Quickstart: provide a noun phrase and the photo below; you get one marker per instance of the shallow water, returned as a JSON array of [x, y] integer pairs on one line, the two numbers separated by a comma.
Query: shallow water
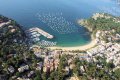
[[65, 28]]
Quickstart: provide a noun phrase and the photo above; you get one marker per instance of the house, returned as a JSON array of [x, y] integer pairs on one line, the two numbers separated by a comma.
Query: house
[[67, 70], [5, 23], [56, 63], [23, 68], [23, 78], [3, 77], [11, 69], [39, 66], [31, 73], [12, 30]]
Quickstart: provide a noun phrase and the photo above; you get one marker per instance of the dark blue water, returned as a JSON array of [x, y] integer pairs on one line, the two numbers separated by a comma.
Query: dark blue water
[[24, 12]]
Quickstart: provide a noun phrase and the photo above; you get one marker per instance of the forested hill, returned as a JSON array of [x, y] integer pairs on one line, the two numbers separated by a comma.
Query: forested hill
[[107, 24], [102, 21], [10, 32], [12, 45]]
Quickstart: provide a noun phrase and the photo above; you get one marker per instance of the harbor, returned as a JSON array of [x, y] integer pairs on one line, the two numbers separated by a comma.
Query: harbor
[[35, 34], [57, 20], [42, 32]]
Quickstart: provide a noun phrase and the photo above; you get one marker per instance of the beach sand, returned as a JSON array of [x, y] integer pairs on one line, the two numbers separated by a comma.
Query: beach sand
[[84, 47]]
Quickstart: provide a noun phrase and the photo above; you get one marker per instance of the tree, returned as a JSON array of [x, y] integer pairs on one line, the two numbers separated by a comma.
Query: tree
[[110, 65], [44, 76], [77, 64], [17, 74], [117, 73], [38, 76], [52, 75]]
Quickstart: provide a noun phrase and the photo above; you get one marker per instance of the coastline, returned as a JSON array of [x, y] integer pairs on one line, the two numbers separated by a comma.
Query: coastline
[[84, 47], [91, 44]]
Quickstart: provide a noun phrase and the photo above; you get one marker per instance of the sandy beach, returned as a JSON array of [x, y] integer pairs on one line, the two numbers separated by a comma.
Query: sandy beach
[[84, 47], [91, 44]]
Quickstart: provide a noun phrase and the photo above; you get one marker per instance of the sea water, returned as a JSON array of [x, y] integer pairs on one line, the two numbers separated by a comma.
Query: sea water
[[58, 17]]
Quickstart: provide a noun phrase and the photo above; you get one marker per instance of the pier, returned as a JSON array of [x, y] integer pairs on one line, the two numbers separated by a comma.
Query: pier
[[42, 32], [34, 37]]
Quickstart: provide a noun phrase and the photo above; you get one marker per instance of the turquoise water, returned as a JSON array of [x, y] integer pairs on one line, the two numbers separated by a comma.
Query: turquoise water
[[25, 12]]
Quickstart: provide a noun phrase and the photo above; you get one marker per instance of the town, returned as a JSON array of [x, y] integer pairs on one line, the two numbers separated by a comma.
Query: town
[[21, 61]]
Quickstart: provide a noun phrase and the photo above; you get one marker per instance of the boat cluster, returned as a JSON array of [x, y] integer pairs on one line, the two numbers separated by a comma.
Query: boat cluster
[[34, 35], [57, 22], [47, 43]]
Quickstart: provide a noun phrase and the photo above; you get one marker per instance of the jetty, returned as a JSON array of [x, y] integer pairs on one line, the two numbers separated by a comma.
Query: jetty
[[42, 32], [34, 37]]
